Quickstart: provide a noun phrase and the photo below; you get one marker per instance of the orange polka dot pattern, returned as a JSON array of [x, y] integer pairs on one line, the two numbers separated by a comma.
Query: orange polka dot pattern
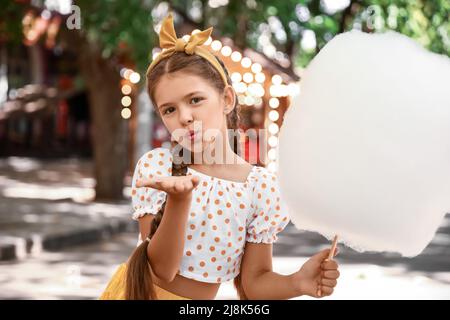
[[223, 215]]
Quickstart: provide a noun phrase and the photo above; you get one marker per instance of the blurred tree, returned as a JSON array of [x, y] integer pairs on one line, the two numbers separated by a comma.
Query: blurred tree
[[300, 28], [113, 34]]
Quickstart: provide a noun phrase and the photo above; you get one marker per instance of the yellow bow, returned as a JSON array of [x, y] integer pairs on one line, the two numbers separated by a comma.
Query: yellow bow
[[170, 44]]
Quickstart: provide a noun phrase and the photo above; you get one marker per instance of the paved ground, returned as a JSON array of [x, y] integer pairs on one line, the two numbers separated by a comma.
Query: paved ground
[[82, 272], [68, 247]]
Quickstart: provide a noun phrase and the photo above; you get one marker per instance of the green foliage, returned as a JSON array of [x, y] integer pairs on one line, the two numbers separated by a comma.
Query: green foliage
[[425, 21], [120, 26], [10, 23], [127, 26]]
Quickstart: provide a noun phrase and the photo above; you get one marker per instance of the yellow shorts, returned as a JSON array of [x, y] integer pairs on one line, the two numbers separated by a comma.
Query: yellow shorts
[[116, 288]]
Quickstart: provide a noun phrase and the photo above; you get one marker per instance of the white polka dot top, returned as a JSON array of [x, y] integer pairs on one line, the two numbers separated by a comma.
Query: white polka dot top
[[223, 215]]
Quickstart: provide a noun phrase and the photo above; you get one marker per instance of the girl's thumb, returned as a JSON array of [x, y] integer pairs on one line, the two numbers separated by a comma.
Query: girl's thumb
[[195, 180], [322, 255]]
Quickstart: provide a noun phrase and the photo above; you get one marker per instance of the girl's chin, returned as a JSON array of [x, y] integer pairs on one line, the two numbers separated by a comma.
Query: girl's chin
[[194, 146]]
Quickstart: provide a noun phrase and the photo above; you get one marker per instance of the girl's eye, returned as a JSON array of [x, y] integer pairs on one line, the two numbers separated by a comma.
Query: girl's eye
[[169, 108], [197, 98]]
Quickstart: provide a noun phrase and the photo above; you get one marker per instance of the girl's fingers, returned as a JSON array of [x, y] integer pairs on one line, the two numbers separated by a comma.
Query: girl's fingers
[[331, 274], [187, 184], [326, 291], [195, 181], [149, 183], [143, 183], [179, 186], [190, 185], [165, 185], [329, 265], [328, 282]]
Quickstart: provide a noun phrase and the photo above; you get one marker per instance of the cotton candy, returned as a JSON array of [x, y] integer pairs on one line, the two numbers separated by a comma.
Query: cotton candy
[[364, 150]]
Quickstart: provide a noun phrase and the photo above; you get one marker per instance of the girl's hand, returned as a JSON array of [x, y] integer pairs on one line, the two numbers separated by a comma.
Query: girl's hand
[[318, 276], [176, 186]]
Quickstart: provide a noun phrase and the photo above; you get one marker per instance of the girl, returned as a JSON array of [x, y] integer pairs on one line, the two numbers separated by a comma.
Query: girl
[[202, 224]]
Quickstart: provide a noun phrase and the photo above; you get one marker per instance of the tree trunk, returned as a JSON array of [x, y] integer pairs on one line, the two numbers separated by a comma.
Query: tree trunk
[[346, 14], [109, 130]]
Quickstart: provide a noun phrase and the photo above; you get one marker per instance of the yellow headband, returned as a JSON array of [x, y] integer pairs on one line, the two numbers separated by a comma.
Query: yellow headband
[[170, 44]]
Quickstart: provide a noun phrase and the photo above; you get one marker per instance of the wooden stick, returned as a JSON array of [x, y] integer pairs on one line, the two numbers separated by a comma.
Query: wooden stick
[[330, 257], [333, 248]]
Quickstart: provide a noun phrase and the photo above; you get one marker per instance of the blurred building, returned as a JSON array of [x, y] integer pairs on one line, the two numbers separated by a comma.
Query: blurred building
[[44, 111]]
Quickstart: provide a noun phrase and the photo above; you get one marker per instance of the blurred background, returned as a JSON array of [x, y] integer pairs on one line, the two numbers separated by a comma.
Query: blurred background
[[75, 118]]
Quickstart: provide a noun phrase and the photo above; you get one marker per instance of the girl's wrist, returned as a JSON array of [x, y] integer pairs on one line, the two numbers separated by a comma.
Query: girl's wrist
[[180, 198], [295, 280]]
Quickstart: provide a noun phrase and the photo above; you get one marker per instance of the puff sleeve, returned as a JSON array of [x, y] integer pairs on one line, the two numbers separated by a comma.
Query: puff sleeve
[[145, 200], [271, 214]]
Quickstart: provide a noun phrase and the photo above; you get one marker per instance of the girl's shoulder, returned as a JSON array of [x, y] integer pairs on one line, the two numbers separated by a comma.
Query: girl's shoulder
[[265, 183], [158, 160], [156, 154], [264, 175]]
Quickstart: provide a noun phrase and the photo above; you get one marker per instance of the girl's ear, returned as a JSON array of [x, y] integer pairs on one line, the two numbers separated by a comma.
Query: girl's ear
[[229, 98]]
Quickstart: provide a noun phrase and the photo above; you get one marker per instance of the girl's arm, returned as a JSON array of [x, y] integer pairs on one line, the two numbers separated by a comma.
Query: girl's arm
[[166, 246], [145, 223], [258, 280]]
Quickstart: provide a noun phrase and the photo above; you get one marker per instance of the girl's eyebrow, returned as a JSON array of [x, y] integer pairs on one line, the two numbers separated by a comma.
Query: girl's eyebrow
[[189, 94]]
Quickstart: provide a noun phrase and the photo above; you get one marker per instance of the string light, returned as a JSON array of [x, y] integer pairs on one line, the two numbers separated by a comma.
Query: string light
[[226, 51], [276, 79], [135, 77], [248, 77], [127, 73], [260, 77], [274, 115], [155, 55], [216, 45], [293, 89], [273, 141], [272, 154], [256, 68], [126, 89], [126, 101], [274, 103], [236, 77], [125, 113], [241, 99], [273, 128], [240, 87], [236, 56], [249, 100], [246, 62]]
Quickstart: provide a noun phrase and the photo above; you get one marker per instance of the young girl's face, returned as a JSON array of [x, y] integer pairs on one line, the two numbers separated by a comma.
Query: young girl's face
[[189, 103]]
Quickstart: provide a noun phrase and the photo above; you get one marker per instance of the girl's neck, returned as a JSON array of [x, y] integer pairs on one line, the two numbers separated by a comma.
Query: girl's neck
[[227, 159]]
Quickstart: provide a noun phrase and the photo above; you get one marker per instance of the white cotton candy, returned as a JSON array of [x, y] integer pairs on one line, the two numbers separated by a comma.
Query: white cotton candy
[[365, 147]]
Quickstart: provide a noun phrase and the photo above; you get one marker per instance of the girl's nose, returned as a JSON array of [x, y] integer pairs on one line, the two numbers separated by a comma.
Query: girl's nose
[[186, 116]]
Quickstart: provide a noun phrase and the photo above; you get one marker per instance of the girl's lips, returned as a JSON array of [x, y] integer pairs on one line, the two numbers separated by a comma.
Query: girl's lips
[[192, 135]]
